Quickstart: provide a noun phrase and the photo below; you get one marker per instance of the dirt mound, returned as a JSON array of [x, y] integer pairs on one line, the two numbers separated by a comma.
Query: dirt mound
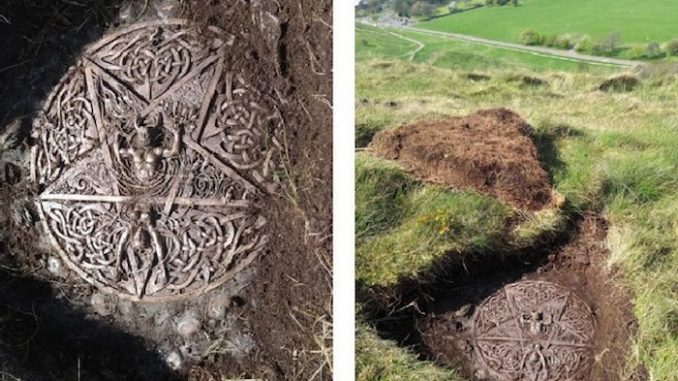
[[476, 77], [528, 81], [619, 84], [489, 151]]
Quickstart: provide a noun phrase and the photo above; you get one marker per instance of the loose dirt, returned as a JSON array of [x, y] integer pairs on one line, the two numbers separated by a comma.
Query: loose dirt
[[490, 151], [277, 323]]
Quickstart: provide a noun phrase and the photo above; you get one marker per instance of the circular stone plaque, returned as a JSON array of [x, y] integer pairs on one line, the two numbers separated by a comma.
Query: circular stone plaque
[[533, 330], [147, 156]]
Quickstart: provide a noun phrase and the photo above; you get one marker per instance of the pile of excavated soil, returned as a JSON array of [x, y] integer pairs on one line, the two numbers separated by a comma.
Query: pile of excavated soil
[[489, 151]]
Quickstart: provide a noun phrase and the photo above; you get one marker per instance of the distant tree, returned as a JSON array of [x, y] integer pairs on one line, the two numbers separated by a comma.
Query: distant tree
[[637, 51], [531, 37], [653, 50], [551, 40], [452, 7], [671, 48], [402, 7], [422, 9], [514, 3], [609, 44], [584, 44]]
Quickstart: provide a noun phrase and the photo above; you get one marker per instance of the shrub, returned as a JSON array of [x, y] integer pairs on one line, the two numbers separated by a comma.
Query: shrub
[[560, 41], [637, 51], [564, 41], [653, 50], [422, 9], [531, 37], [671, 48], [551, 40], [608, 45], [585, 44]]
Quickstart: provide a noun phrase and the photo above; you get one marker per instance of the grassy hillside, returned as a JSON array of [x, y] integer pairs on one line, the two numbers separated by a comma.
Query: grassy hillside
[[612, 152], [374, 42], [637, 21]]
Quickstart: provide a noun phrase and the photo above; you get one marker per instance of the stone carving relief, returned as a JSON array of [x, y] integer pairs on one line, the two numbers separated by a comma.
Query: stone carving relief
[[533, 330], [147, 157]]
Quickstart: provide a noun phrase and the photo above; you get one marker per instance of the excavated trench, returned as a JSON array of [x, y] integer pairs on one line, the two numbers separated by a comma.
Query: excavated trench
[[553, 311]]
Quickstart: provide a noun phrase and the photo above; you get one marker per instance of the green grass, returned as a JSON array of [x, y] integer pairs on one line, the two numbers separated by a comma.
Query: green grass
[[637, 21], [383, 360], [404, 227], [610, 152], [376, 43]]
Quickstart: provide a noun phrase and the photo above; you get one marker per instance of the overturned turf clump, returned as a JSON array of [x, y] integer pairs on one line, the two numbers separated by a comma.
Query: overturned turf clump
[[489, 151], [619, 84]]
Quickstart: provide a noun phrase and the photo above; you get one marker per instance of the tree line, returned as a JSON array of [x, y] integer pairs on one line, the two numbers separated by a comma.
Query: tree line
[[425, 8]]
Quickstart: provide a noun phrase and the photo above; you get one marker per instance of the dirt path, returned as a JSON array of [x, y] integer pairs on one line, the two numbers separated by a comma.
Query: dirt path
[[564, 54], [569, 55], [412, 54]]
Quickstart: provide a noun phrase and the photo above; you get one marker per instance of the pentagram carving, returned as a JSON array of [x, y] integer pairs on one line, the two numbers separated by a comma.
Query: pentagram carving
[[533, 330], [147, 156]]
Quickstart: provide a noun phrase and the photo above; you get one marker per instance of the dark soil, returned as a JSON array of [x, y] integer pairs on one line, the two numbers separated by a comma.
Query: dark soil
[[48, 329], [490, 151], [476, 77], [528, 81], [427, 315]]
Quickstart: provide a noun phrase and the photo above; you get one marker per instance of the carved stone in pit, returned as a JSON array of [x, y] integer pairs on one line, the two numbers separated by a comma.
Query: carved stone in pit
[[533, 330], [148, 154]]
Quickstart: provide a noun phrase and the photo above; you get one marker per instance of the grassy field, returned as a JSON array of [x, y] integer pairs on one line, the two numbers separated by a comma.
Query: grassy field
[[637, 21], [614, 154], [374, 42]]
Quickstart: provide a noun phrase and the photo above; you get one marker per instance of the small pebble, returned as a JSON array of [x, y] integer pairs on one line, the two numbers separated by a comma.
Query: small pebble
[[216, 309], [54, 266], [480, 374], [103, 304], [191, 350], [188, 325], [174, 360]]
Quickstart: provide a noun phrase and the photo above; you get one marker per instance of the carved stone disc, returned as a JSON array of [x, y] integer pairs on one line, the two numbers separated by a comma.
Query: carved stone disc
[[533, 330], [147, 156]]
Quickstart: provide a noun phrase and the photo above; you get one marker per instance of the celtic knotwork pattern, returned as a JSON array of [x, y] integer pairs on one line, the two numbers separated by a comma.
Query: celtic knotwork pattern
[[148, 155], [534, 330]]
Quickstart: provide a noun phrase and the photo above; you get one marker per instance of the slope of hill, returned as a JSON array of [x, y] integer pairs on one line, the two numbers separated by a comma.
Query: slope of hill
[[636, 21]]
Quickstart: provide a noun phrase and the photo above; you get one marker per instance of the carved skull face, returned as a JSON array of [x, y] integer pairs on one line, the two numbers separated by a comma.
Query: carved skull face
[[145, 166], [142, 148]]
